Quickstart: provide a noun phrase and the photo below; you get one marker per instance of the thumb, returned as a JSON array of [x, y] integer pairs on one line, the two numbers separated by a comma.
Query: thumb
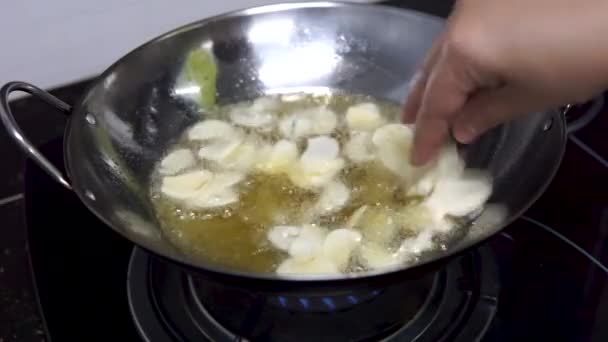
[[490, 108]]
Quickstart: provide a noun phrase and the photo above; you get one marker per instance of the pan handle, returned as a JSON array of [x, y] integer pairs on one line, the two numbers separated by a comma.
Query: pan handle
[[578, 116], [7, 118]]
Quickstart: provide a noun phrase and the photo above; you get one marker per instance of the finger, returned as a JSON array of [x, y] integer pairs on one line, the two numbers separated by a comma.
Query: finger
[[490, 108], [430, 135], [414, 98], [446, 92]]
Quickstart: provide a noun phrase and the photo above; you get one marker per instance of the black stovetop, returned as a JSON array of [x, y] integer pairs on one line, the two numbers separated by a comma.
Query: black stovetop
[[541, 279], [540, 286]]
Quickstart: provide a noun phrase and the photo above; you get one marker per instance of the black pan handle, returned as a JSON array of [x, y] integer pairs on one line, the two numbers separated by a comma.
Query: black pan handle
[[7, 118]]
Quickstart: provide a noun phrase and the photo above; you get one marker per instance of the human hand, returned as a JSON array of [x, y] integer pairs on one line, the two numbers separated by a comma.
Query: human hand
[[500, 59]]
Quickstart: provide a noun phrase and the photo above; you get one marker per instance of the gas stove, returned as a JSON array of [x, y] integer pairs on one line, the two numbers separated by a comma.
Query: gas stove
[[543, 278]]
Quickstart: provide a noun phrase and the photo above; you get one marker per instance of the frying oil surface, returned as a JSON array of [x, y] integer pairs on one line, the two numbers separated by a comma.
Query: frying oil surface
[[271, 192]]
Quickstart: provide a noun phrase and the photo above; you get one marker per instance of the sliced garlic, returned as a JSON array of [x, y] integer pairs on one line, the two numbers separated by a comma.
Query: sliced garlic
[[225, 179], [334, 197], [355, 219], [306, 122], [218, 191], [414, 219], [321, 149], [309, 176], [459, 196], [294, 127], [279, 158], [252, 118], [423, 186], [319, 163], [185, 185], [374, 256], [212, 129], [261, 115], [241, 157], [417, 244], [177, 161], [449, 163], [393, 143], [324, 121], [359, 148], [339, 244], [308, 243], [266, 104], [443, 226], [283, 236], [218, 150], [316, 265], [216, 199], [292, 97], [379, 225], [364, 117]]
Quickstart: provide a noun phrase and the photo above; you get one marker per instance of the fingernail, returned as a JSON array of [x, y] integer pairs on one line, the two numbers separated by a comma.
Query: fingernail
[[465, 134]]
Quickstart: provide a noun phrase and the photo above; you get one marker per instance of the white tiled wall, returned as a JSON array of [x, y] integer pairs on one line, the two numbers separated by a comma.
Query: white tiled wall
[[50, 43]]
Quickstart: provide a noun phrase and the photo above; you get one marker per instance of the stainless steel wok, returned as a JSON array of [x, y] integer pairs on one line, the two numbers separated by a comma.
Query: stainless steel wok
[[132, 112]]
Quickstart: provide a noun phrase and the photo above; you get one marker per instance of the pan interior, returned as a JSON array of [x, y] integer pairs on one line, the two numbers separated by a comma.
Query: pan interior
[[138, 107]]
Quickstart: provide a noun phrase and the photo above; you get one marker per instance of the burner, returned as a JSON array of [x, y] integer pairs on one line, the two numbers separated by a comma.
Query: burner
[[455, 304]]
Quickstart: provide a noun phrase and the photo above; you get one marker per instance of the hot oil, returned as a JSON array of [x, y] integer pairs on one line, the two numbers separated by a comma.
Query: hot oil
[[235, 236]]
